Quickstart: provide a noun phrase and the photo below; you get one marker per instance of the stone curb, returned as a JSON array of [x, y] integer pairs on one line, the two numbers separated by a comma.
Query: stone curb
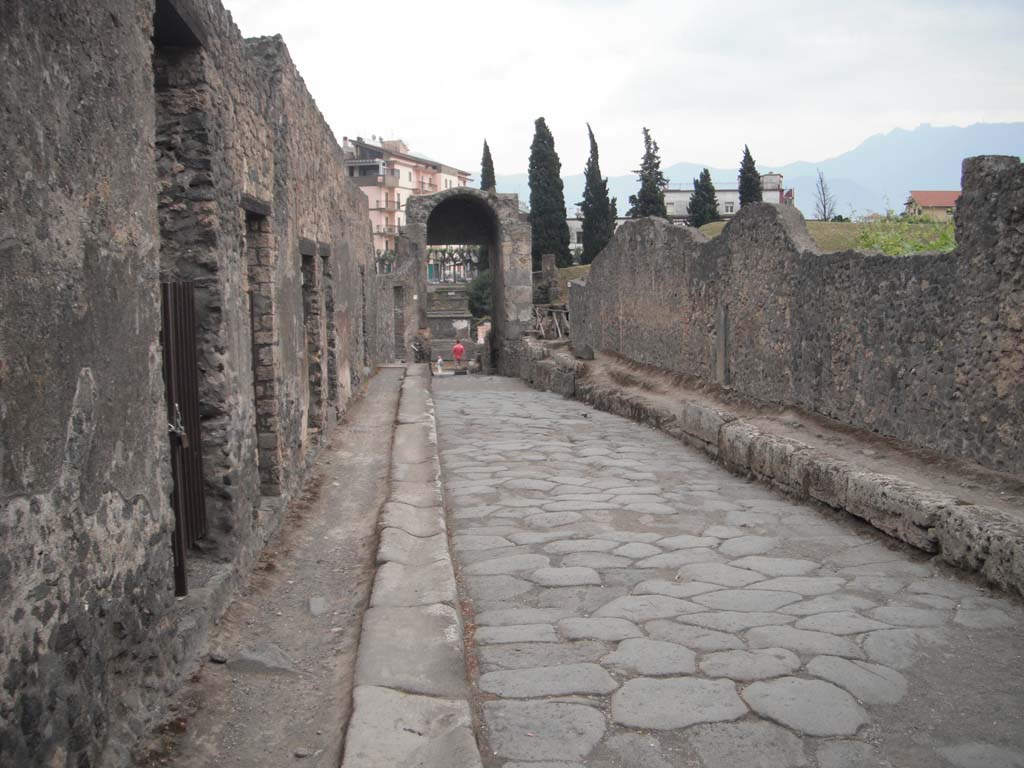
[[971, 537], [411, 695]]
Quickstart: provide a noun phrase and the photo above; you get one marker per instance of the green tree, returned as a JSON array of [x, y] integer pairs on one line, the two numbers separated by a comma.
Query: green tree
[[703, 206], [650, 200], [547, 199], [487, 169], [750, 179], [480, 292], [598, 211]]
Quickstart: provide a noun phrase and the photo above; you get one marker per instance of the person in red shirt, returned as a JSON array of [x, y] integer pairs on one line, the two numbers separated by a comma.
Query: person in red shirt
[[458, 351]]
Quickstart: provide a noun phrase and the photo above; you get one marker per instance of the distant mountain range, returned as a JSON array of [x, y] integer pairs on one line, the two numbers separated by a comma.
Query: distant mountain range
[[876, 175]]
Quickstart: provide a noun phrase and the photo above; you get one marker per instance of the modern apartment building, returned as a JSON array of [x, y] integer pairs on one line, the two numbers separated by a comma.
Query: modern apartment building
[[390, 174], [677, 198]]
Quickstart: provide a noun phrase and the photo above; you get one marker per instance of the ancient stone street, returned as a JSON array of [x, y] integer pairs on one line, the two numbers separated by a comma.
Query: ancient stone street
[[631, 603]]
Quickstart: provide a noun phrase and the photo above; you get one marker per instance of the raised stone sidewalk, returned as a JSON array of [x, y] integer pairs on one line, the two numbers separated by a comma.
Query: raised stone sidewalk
[[410, 702], [986, 538]]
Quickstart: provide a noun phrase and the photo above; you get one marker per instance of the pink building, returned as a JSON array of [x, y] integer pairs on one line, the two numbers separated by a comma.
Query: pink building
[[389, 175]]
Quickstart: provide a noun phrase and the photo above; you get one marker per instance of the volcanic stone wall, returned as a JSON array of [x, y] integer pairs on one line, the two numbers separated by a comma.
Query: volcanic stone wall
[[928, 349], [136, 151]]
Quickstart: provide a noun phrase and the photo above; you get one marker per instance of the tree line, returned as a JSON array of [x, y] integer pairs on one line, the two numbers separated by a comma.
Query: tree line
[[598, 211]]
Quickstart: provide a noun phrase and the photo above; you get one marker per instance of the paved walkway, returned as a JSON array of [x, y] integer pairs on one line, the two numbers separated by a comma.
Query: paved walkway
[[634, 604]]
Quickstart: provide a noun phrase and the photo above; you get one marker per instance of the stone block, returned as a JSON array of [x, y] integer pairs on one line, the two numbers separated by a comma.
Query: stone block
[[735, 443]]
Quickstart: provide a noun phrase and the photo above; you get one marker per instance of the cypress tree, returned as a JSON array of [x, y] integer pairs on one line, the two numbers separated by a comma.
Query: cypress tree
[[487, 169], [547, 199], [650, 200], [597, 209], [703, 206], [750, 180]]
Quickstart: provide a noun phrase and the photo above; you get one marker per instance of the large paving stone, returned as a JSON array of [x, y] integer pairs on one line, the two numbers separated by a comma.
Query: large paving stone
[[507, 616], [502, 587], [637, 550], [652, 657], [406, 585], [565, 577], [735, 621], [718, 573], [681, 557], [776, 566], [418, 650], [537, 537], [416, 494], [397, 546], [472, 543], [417, 521], [896, 648], [523, 655], [692, 637], [516, 633], [745, 545], [803, 585], [760, 664], [673, 588], [598, 629], [579, 545], [840, 623], [752, 744], [803, 641], [510, 564], [661, 704], [981, 755], [847, 754], [627, 537], [747, 599], [871, 683], [552, 519], [906, 616], [534, 730], [812, 707], [984, 618], [557, 680], [641, 608], [828, 604], [596, 560], [686, 541], [390, 728]]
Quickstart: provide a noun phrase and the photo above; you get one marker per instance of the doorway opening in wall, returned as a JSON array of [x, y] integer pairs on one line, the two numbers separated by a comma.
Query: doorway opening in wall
[[331, 325], [399, 304], [465, 283]]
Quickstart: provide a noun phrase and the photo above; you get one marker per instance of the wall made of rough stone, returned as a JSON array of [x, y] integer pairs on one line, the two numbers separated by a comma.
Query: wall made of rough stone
[[926, 349], [85, 555]]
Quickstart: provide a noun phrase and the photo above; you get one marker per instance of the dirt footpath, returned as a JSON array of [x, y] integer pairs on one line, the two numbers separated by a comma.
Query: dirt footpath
[[276, 687]]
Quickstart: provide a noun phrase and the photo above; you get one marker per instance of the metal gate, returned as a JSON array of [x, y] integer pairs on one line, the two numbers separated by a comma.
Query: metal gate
[[181, 383]]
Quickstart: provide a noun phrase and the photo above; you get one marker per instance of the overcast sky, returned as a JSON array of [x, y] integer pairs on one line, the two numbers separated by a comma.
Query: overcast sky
[[794, 80]]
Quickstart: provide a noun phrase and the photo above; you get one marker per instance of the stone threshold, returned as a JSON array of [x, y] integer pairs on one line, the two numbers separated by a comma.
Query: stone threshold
[[971, 536], [411, 697]]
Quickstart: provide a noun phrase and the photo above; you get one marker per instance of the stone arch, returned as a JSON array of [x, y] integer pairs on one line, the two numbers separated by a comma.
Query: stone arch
[[473, 216]]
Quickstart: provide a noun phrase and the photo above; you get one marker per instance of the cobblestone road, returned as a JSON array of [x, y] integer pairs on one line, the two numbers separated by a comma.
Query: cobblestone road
[[637, 605]]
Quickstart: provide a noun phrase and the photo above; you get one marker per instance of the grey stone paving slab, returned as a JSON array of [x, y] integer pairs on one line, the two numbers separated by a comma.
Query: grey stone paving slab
[[508, 616], [516, 633], [870, 683], [840, 623], [905, 616], [745, 666], [422, 472], [578, 545], [803, 641], [718, 573], [577, 506], [637, 550], [390, 728], [776, 566], [803, 585], [533, 730], [580, 600], [538, 537], [985, 618], [641, 608], [747, 599], [829, 604], [981, 755], [512, 564], [897, 648], [416, 494], [598, 629], [673, 588], [652, 657], [596, 560], [397, 546], [943, 588], [565, 577], [846, 754], [746, 544], [528, 484], [660, 704], [552, 519], [681, 557], [418, 650], [735, 621], [748, 744], [813, 707], [692, 637], [626, 537], [502, 587], [522, 655], [557, 680], [469, 542], [417, 521], [407, 585], [686, 541], [725, 532]]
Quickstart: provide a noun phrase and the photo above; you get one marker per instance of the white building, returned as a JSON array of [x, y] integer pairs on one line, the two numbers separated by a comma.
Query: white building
[[677, 197]]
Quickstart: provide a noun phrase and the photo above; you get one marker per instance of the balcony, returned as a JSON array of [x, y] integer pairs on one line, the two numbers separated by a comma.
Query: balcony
[[385, 205], [387, 229], [387, 181], [424, 188]]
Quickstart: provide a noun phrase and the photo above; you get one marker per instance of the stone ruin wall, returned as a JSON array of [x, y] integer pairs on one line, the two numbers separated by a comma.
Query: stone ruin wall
[[124, 164], [928, 349]]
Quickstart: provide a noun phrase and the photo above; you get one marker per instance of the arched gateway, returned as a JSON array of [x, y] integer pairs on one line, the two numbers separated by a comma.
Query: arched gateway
[[472, 217]]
